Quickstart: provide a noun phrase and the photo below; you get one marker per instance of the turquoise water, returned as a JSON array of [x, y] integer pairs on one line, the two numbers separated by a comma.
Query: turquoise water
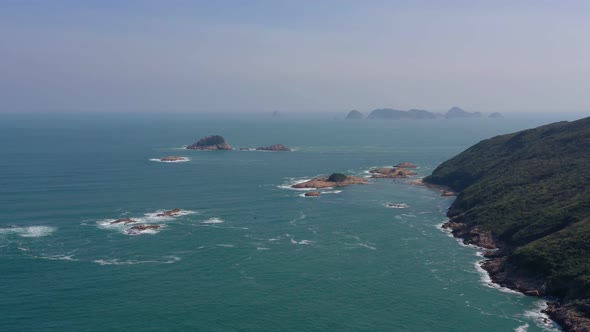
[[248, 254]]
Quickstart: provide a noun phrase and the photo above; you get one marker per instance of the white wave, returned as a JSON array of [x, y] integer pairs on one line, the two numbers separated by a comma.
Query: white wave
[[306, 242], [213, 220], [114, 261], [293, 181], [225, 245], [154, 215], [487, 281], [364, 245], [262, 248], [183, 160], [59, 257], [332, 192], [522, 328], [134, 232], [275, 239], [30, 231], [541, 319], [396, 205]]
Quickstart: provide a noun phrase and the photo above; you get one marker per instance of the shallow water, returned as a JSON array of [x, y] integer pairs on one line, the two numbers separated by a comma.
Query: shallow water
[[247, 253]]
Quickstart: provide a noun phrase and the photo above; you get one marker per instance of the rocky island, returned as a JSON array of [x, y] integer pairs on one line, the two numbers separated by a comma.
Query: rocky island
[[496, 115], [275, 147], [527, 195], [334, 180], [457, 112], [210, 143]]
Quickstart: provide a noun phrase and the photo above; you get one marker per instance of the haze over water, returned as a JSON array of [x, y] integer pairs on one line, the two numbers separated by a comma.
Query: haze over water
[[248, 253]]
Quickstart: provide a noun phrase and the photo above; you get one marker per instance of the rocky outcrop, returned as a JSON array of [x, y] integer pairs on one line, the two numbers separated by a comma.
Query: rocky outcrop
[[391, 172], [210, 143], [140, 228], [355, 115], [169, 213], [173, 158], [123, 221], [571, 317], [405, 165], [334, 180], [470, 235], [445, 191], [276, 147], [312, 194]]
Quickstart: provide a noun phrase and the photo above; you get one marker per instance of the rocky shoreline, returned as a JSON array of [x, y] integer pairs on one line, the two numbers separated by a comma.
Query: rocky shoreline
[[334, 180], [505, 274]]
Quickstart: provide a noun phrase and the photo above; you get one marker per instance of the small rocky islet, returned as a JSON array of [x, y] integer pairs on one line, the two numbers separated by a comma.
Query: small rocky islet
[[210, 143], [173, 158], [137, 229], [398, 171], [334, 180]]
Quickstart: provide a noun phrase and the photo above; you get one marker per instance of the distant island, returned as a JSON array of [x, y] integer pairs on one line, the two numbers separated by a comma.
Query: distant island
[[334, 180], [458, 112], [209, 143], [355, 115], [417, 114], [496, 115], [528, 195]]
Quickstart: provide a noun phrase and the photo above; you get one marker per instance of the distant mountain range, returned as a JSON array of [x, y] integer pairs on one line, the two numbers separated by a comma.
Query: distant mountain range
[[415, 114]]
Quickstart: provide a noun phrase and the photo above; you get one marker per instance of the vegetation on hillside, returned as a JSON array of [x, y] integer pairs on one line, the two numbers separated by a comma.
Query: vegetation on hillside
[[531, 189]]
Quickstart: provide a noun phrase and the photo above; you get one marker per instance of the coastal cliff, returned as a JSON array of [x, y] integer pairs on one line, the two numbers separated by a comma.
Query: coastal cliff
[[527, 194]]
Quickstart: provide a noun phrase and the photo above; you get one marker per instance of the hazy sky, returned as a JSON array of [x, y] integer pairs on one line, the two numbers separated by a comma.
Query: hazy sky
[[294, 55]]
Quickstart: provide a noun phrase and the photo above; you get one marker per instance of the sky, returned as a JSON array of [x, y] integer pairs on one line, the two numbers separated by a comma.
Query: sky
[[304, 55]]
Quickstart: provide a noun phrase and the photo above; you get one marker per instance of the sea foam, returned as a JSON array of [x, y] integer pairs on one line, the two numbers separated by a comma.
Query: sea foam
[[30, 231]]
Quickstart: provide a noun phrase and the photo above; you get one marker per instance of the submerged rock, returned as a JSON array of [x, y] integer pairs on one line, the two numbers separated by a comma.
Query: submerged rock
[[275, 147], [312, 194], [140, 228], [123, 221], [405, 165], [209, 143], [169, 213]]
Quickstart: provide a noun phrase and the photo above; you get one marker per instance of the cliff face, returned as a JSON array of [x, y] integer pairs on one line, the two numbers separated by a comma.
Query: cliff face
[[529, 190]]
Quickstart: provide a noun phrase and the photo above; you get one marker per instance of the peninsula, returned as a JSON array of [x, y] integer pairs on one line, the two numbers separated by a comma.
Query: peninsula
[[527, 195]]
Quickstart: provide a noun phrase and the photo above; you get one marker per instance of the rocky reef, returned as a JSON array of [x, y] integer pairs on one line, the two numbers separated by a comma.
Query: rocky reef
[[173, 158], [312, 194], [210, 143], [123, 221], [334, 180], [169, 213], [275, 147], [135, 230]]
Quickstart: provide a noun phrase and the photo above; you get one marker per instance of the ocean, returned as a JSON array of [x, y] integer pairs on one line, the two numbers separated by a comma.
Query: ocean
[[247, 252]]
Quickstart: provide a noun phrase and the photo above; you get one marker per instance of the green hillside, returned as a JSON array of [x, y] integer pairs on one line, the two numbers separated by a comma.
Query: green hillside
[[531, 189]]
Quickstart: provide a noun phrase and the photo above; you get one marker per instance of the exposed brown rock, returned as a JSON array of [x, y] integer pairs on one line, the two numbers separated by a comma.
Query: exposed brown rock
[[169, 213], [391, 172], [135, 230], [324, 183], [124, 221], [569, 316], [172, 158], [275, 147], [312, 194], [444, 190]]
